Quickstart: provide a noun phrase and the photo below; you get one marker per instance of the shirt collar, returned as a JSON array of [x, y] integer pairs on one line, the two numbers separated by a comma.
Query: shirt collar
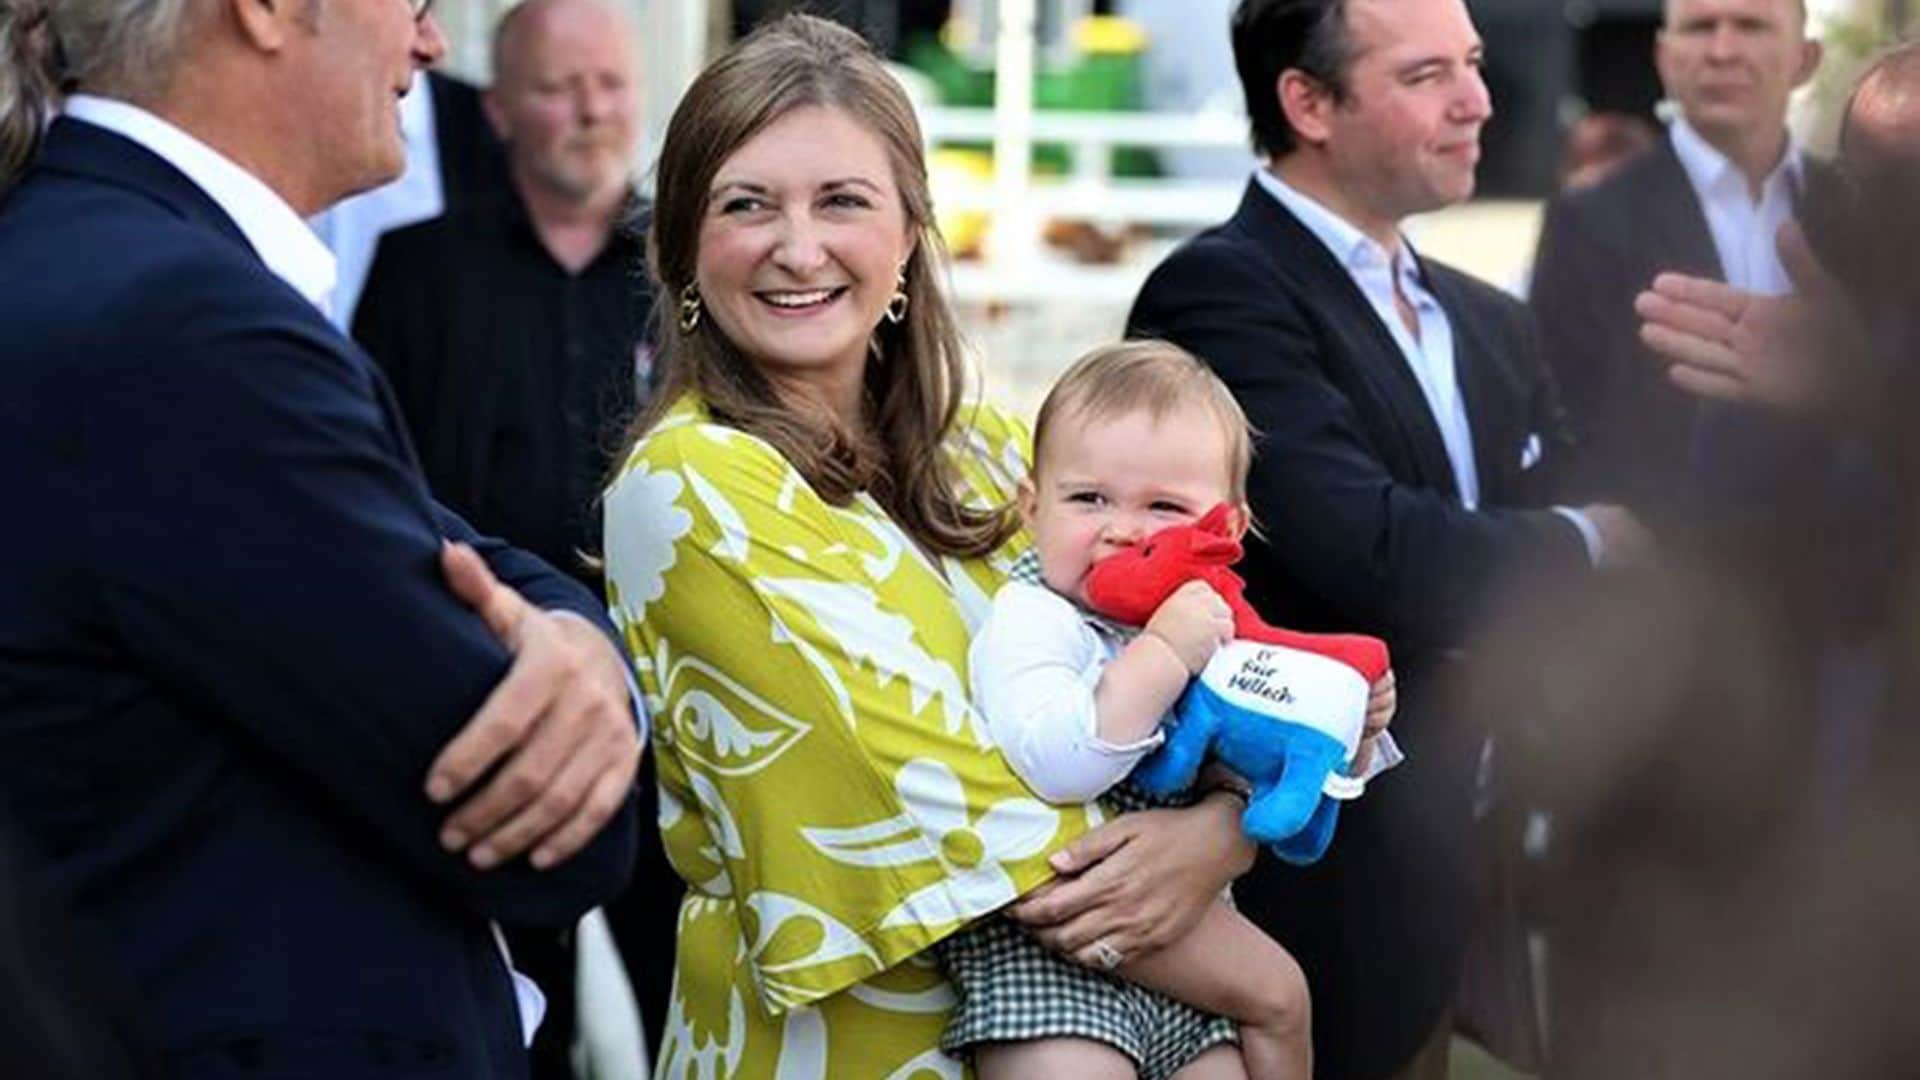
[[627, 235], [416, 112], [283, 241], [1353, 249], [1709, 170], [1026, 570]]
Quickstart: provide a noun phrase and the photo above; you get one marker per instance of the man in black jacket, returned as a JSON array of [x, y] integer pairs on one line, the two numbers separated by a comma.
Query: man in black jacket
[[1406, 424], [514, 330]]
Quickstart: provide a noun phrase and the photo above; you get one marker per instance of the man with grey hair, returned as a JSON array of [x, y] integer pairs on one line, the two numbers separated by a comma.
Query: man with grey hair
[[287, 735]]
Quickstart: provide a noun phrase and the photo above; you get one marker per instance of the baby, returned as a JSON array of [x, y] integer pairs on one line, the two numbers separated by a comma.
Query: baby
[[1134, 438]]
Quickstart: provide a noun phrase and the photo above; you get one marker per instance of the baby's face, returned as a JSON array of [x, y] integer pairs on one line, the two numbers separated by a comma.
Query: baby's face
[[1106, 484]]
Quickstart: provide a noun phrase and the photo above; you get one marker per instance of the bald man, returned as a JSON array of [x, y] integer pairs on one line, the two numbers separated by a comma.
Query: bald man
[[514, 332], [1707, 201], [513, 329], [1805, 352], [1707, 901]]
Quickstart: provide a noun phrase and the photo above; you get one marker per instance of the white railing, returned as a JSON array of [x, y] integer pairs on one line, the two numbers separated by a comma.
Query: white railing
[[1091, 191], [1017, 267]]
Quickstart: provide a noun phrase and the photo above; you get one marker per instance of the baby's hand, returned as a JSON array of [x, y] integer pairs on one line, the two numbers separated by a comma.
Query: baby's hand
[[1381, 702], [1195, 622], [1382, 699]]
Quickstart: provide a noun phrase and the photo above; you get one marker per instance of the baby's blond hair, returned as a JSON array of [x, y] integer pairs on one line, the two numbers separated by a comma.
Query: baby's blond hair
[[1151, 375]]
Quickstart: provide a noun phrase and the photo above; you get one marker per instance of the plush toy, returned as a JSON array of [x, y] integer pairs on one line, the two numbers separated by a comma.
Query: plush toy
[[1284, 710]]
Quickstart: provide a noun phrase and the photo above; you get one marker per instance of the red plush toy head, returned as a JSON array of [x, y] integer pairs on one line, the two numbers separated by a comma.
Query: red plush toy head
[[1131, 585]]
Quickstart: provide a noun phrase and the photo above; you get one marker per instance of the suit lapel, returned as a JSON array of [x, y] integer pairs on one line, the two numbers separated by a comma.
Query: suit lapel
[[1488, 387], [1683, 240], [1298, 254]]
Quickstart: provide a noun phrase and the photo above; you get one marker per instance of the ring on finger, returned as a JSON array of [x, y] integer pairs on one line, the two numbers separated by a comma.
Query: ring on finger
[[1106, 956]]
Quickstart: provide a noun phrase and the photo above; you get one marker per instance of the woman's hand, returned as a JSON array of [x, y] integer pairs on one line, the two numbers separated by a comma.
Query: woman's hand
[[1138, 882]]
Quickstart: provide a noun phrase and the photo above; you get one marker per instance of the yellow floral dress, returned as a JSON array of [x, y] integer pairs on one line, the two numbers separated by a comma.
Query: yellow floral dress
[[827, 791]]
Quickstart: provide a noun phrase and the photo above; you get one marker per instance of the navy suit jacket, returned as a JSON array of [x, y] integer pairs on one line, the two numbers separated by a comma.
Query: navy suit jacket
[[1645, 442], [1599, 247], [227, 655], [1364, 532]]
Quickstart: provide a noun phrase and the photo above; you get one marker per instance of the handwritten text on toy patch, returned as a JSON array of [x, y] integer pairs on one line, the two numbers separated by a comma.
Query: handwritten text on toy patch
[[1259, 677]]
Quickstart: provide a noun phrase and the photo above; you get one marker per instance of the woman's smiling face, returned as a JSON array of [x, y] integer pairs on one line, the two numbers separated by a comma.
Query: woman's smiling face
[[802, 244]]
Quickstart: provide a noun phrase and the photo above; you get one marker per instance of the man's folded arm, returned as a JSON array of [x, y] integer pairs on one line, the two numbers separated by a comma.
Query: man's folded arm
[[265, 544], [547, 589], [526, 573]]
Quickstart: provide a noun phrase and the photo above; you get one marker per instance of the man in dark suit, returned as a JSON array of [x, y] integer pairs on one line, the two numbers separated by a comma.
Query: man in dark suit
[[1405, 421], [249, 664], [1707, 202]]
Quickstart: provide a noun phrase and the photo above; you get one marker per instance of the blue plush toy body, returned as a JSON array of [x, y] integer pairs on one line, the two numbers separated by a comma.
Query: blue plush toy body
[[1283, 709], [1288, 722]]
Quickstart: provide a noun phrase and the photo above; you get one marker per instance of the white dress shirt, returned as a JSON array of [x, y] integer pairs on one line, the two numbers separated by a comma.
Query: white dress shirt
[[1743, 227], [288, 248], [353, 226], [1430, 356], [1034, 666]]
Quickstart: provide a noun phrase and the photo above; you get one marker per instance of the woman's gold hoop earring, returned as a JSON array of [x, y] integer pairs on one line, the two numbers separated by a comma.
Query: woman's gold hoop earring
[[897, 303], [689, 310]]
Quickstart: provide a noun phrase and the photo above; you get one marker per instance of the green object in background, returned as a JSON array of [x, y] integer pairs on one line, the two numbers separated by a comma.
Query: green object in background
[[1104, 77], [959, 83]]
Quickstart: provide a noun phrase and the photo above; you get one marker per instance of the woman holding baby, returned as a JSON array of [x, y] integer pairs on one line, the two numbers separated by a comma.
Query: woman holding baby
[[807, 533]]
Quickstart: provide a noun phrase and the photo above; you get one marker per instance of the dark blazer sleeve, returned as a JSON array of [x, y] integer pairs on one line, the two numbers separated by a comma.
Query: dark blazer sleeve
[[266, 542], [1397, 559]]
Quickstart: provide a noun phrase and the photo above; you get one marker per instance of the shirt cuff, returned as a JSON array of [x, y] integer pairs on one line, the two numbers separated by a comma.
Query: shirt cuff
[[1589, 535], [1386, 754], [1139, 746], [640, 719]]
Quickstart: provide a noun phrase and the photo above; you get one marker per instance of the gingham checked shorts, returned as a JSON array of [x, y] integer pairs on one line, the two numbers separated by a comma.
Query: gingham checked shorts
[[1012, 988]]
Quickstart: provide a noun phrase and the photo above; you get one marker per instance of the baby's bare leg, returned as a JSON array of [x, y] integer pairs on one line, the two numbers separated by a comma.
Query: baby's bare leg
[[1225, 965], [1215, 1063], [1048, 1059]]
